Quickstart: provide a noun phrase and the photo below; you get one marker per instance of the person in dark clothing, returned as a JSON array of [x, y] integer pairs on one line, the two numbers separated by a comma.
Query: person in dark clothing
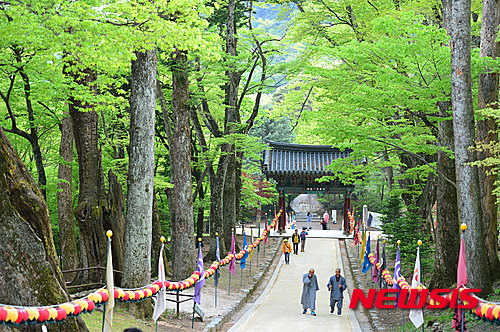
[[336, 285], [303, 236], [296, 241]]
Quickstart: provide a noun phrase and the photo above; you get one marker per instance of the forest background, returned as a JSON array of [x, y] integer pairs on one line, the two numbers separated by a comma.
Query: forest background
[[148, 118]]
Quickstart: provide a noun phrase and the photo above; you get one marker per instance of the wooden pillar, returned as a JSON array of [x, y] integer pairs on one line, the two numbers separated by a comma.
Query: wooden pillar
[[347, 207], [282, 207]]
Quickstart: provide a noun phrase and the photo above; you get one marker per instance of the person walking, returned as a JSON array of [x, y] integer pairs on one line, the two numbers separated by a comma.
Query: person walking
[[287, 249], [303, 236], [336, 285], [309, 289], [324, 223], [296, 241], [309, 220]]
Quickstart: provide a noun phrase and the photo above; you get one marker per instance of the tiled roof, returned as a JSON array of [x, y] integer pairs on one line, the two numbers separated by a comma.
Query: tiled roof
[[295, 159]]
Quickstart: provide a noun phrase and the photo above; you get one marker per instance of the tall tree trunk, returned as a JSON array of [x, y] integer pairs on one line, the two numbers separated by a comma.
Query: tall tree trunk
[[29, 274], [447, 231], [238, 185], [65, 200], [216, 184], [184, 257], [229, 199], [232, 120], [115, 220], [92, 203], [487, 131], [469, 203], [138, 230], [216, 206], [201, 215]]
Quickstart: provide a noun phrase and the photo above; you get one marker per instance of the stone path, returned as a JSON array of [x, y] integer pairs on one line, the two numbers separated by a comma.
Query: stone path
[[278, 307]]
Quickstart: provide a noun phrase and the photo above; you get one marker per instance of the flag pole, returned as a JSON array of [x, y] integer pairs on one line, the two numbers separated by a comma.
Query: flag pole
[[107, 322], [419, 242], [402, 310], [463, 227], [216, 279], [194, 302]]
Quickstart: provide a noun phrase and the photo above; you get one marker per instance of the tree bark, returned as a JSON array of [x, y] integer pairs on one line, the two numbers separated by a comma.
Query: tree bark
[[115, 220], [217, 184], [229, 198], [183, 247], [29, 274], [65, 200], [487, 131], [138, 230], [447, 235], [469, 203], [92, 203], [232, 119]]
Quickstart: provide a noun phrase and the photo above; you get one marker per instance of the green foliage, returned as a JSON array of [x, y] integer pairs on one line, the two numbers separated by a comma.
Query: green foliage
[[277, 130], [408, 227], [255, 193]]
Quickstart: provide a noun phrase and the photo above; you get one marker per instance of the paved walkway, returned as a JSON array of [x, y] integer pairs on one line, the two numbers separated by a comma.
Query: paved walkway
[[278, 307], [313, 233]]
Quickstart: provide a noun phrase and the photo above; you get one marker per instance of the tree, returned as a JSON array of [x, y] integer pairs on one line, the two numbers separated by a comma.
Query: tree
[[29, 274], [138, 230], [20, 61], [469, 203], [66, 218], [487, 131], [182, 192], [91, 196]]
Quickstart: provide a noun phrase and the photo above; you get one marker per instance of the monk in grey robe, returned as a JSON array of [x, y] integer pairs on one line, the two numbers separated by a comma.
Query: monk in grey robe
[[336, 285], [309, 290]]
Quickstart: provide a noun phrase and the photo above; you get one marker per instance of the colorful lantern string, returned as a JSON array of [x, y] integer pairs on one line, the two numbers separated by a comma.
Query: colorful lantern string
[[19, 316]]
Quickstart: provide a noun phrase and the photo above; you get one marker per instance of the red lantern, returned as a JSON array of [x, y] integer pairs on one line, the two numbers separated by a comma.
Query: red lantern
[[104, 296], [78, 309], [126, 297], [43, 314], [22, 316], [489, 313], [91, 305], [61, 314], [3, 314]]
